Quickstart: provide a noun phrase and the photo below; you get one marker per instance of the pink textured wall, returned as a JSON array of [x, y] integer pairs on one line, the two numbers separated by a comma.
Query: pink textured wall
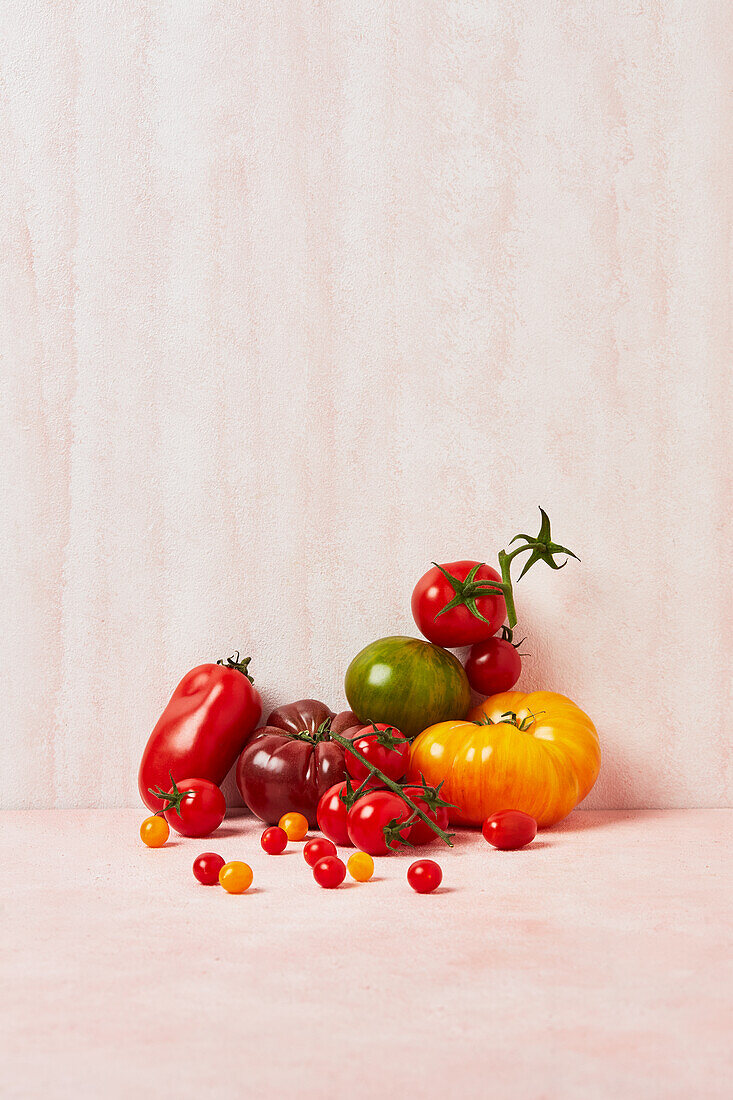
[[296, 298]]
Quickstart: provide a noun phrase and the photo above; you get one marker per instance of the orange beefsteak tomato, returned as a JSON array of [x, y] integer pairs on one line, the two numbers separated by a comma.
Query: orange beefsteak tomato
[[538, 753]]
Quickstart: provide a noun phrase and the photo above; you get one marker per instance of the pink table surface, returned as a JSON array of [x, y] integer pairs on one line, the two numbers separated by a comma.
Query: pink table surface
[[594, 964]]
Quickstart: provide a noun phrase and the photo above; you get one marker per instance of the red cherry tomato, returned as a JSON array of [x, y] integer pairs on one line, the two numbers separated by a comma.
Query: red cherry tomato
[[317, 849], [206, 868], [472, 618], [369, 821], [424, 876], [332, 815], [195, 807], [274, 840], [493, 666], [384, 747], [420, 833], [509, 829], [329, 872]]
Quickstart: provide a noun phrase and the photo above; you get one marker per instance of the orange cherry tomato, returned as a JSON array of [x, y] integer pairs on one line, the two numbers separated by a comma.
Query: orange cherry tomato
[[537, 753], [360, 866], [154, 831], [295, 825], [235, 877]]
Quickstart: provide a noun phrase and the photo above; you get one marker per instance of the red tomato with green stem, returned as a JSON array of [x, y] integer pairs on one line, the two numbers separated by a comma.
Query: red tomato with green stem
[[384, 747], [495, 665], [375, 822], [458, 603], [429, 801], [196, 807]]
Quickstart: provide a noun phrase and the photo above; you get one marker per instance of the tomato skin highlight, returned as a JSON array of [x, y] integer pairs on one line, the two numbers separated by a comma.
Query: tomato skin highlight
[[509, 830], [424, 876], [329, 872], [332, 816], [391, 761], [208, 720], [235, 877], [206, 868], [274, 840], [459, 626], [368, 817], [407, 683], [493, 666], [202, 810], [154, 831]]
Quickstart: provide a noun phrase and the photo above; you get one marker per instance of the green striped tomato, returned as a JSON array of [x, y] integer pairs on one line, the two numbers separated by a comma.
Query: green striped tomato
[[407, 683]]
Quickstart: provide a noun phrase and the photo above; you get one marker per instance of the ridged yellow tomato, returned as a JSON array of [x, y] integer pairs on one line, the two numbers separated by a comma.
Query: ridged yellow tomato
[[538, 753]]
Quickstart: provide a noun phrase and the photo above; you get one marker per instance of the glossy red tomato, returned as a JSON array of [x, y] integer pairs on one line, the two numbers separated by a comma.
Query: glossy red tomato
[[274, 840], [370, 819], [424, 876], [509, 829], [384, 747], [318, 848], [329, 872], [420, 832], [449, 608], [332, 814], [206, 868], [493, 666], [195, 807]]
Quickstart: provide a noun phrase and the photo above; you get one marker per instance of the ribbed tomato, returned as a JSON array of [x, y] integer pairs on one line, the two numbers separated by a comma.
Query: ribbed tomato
[[538, 753]]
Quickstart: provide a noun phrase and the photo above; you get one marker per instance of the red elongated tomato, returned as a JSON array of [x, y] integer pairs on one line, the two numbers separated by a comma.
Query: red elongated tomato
[[509, 830]]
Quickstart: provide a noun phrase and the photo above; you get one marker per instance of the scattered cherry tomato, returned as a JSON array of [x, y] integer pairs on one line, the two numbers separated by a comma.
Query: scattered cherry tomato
[[329, 872], [370, 819], [384, 747], [493, 666], [206, 868], [194, 807], [509, 830], [318, 848], [360, 866], [294, 825], [450, 607], [420, 832], [424, 876], [274, 840], [154, 831], [235, 877], [332, 815]]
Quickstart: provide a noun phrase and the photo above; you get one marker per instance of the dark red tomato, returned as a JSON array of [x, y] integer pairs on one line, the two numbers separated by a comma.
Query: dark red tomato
[[384, 747], [332, 815], [509, 829], [329, 872], [205, 726], [274, 840], [424, 876], [206, 868], [369, 822], [493, 666], [194, 807], [318, 848], [420, 833], [449, 608]]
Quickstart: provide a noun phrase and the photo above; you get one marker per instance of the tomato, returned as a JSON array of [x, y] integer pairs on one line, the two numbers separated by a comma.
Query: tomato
[[509, 830], [206, 868], [420, 832], [329, 872], [235, 877], [494, 665], [450, 607], [207, 722], [538, 753], [407, 683], [384, 747], [332, 814], [295, 826], [154, 831], [360, 866], [195, 807], [370, 819], [318, 848], [424, 876], [274, 840]]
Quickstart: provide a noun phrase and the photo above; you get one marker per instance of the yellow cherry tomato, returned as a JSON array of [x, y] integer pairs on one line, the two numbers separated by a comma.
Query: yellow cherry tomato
[[154, 831], [360, 866], [235, 877], [295, 825]]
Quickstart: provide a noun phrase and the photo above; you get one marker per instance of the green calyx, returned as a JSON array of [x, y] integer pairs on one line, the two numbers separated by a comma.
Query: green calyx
[[510, 718], [323, 733], [467, 592], [174, 797], [386, 738], [234, 662]]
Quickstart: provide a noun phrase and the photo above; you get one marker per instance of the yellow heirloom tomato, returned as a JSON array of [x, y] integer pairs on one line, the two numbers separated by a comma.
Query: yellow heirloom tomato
[[538, 753]]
